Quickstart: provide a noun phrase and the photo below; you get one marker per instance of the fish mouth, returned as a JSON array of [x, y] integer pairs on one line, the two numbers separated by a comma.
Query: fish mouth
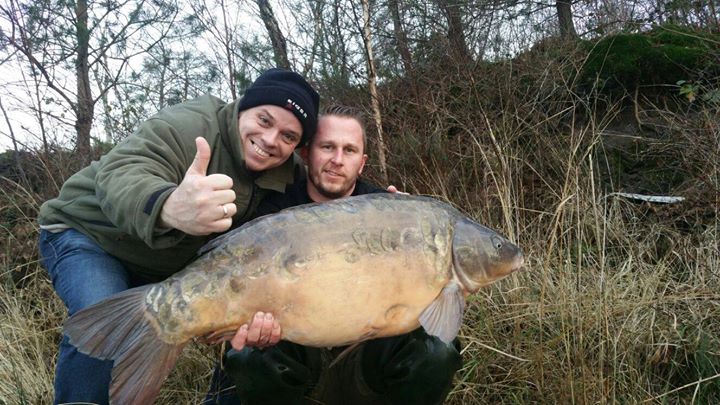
[[518, 264], [472, 284]]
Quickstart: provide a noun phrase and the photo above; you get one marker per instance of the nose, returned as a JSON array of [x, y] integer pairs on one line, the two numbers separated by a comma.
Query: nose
[[337, 157], [271, 137]]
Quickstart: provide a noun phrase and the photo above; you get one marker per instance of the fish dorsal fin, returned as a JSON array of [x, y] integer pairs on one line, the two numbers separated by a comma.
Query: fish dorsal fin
[[443, 317]]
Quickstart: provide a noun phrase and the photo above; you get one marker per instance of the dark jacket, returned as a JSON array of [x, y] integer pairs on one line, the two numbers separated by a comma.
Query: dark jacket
[[296, 194]]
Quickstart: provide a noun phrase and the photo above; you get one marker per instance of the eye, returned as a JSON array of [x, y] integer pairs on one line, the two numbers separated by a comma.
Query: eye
[[497, 242], [290, 137], [264, 120]]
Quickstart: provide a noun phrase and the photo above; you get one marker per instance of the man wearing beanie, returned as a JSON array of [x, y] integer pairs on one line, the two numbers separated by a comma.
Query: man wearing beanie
[[141, 212]]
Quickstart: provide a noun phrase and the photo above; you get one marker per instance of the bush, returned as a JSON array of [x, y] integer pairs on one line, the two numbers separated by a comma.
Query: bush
[[662, 56]]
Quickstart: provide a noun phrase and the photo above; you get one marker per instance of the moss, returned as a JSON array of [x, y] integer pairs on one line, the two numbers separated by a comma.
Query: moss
[[661, 56]]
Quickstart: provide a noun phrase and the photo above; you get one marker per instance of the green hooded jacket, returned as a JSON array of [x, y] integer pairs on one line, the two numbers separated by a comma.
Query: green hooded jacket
[[117, 200]]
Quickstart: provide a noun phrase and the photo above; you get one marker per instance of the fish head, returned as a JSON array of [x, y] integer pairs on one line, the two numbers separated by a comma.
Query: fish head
[[481, 256]]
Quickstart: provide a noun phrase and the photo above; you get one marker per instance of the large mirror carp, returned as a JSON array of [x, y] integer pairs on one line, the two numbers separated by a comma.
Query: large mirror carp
[[332, 274]]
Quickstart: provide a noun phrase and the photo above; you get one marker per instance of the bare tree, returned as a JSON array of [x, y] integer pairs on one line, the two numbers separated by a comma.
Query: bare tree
[[372, 75], [221, 35], [84, 108], [10, 127], [120, 30], [334, 65], [401, 40], [16, 156], [456, 32], [276, 37], [565, 19]]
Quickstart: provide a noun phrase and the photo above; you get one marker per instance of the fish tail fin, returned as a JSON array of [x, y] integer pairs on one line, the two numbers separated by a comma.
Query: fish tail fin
[[117, 329]]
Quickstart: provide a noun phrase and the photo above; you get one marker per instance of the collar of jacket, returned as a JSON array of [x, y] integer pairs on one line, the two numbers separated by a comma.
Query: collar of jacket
[[273, 179]]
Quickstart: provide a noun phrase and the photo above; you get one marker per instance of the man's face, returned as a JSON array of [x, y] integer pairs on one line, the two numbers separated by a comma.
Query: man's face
[[335, 158], [268, 135]]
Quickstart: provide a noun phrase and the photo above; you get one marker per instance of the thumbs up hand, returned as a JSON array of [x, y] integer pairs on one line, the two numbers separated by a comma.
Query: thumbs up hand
[[201, 204]]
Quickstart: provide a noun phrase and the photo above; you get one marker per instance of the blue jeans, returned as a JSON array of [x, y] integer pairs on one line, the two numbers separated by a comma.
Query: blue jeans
[[82, 274]]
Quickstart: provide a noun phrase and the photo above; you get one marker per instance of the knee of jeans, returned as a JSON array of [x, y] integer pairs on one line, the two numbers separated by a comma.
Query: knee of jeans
[[82, 273]]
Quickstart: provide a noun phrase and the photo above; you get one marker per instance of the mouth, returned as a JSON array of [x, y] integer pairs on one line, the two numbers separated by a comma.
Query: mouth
[[333, 173], [260, 151]]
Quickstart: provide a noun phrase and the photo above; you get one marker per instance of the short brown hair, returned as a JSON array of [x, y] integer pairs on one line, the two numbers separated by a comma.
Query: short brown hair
[[344, 111]]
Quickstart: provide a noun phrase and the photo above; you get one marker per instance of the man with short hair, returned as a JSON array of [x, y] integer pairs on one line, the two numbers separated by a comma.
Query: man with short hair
[[335, 158], [409, 369], [141, 212]]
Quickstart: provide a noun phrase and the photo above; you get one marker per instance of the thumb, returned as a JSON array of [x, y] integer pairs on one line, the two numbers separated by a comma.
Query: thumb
[[202, 158]]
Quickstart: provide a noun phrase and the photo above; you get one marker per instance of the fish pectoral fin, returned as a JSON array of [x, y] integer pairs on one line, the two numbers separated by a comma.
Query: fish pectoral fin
[[218, 336], [443, 317]]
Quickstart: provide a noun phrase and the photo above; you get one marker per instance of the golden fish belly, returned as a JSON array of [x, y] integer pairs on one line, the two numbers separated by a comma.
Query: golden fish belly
[[326, 301], [327, 285], [335, 304]]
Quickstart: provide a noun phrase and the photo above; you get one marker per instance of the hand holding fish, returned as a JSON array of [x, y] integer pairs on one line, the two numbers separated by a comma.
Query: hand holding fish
[[393, 189], [264, 331], [201, 204]]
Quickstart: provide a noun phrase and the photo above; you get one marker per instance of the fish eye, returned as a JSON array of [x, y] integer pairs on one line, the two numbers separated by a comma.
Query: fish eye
[[497, 242]]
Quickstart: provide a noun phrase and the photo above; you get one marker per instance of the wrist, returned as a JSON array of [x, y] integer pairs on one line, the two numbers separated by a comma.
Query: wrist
[[162, 225], [165, 220]]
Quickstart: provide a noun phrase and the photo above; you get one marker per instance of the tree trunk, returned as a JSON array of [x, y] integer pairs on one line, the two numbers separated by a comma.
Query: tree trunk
[[340, 50], [373, 90], [100, 82], [400, 38], [39, 110], [84, 106], [276, 37], [163, 72], [317, 9], [714, 15], [565, 19], [10, 128], [16, 156], [456, 34], [227, 43]]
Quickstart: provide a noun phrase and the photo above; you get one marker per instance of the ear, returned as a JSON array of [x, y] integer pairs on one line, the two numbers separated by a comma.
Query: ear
[[362, 165], [304, 151]]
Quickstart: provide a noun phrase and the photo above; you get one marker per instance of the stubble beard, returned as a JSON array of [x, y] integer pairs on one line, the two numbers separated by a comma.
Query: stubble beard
[[331, 191]]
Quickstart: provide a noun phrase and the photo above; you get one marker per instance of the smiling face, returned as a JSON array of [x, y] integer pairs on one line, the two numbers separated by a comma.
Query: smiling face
[[268, 135], [335, 158]]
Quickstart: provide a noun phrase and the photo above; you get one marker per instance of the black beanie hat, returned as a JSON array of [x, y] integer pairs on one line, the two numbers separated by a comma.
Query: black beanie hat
[[286, 89]]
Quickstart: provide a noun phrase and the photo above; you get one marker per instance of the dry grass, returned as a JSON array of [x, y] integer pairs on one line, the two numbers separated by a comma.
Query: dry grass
[[620, 302]]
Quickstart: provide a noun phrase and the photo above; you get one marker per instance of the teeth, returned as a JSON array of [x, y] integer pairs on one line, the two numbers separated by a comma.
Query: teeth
[[260, 151]]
